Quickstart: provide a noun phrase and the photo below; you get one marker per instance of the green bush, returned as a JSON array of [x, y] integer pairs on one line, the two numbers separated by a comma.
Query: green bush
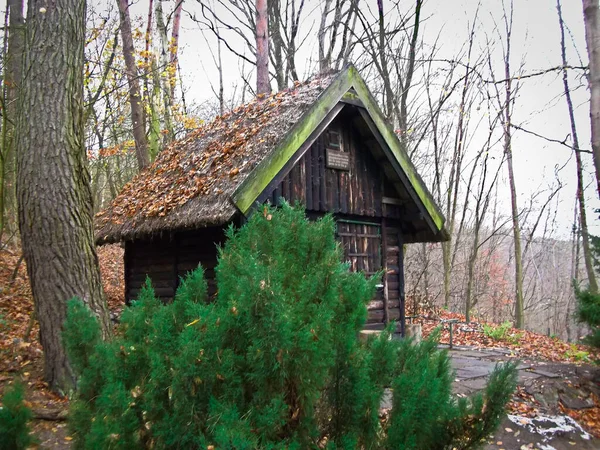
[[588, 311], [577, 355], [274, 362], [502, 332], [14, 420]]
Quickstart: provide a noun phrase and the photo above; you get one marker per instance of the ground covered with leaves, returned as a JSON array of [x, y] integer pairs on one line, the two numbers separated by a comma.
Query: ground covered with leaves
[[21, 354], [530, 348], [524, 344]]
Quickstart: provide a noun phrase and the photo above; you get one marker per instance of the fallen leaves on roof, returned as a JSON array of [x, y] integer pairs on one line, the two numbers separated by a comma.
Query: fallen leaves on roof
[[211, 161]]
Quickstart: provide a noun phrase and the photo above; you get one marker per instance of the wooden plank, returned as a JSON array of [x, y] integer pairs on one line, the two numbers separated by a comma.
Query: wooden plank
[[401, 287], [175, 262], [392, 285], [159, 292], [322, 177], [386, 296], [361, 235], [378, 316], [151, 267], [139, 281], [316, 175], [345, 176], [379, 304], [296, 141], [127, 271], [308, 164], [276, 196]]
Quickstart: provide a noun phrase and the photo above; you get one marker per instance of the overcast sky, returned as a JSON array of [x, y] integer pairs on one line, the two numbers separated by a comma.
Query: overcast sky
[[541, 107]]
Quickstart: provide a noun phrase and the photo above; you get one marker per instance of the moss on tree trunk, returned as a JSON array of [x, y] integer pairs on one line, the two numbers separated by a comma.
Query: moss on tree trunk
[[53, 183]]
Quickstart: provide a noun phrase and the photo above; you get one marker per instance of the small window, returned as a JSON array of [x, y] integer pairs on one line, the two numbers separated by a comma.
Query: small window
[[334, 140]]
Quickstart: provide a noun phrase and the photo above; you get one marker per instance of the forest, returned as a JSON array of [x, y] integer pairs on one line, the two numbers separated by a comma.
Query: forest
[[520, 227], [497, 105]]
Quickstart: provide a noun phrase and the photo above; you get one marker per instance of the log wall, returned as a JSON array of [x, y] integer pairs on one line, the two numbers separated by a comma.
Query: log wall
[[165, 260], [358, 191]]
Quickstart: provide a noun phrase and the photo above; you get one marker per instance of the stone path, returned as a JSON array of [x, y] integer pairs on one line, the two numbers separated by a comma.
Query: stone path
[[549, 383]]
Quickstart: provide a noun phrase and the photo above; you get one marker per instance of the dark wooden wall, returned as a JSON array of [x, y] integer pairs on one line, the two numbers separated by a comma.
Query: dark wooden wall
[[361, 198], [165, 260], [359, 191]]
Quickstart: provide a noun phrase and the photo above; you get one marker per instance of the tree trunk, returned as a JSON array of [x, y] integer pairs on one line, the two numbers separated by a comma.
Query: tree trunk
[[276, 44], [507, 120], [53, 191], [587, 254], [173, 59], [138, 116], [591, 17], [412, 53], [12, 80], [324, 64], [263, 85], [165, 71]]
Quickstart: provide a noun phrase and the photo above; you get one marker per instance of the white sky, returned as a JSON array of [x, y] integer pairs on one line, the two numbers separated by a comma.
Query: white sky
[[541, 107]]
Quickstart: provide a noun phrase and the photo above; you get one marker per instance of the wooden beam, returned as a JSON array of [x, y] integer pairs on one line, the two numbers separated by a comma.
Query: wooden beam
[[401, 284], [386, 315], [351, 98], [392, 201], [126, 270]]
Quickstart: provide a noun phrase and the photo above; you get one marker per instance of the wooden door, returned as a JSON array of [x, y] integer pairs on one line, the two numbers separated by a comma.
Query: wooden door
[[362, 250]]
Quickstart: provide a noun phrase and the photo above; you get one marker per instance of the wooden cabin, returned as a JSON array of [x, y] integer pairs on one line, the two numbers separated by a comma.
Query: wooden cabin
[[324, 143]]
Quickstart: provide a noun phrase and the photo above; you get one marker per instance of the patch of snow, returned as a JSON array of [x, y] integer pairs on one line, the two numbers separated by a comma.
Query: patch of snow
[[548, 426]]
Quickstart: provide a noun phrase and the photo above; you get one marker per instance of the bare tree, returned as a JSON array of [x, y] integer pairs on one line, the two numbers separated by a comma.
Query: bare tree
[[587, 254], [506, 106], [591, 17], [138, 115]]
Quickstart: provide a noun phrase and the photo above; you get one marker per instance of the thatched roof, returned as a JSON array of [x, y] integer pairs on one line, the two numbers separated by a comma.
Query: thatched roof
[[225, 167], [190, 183]]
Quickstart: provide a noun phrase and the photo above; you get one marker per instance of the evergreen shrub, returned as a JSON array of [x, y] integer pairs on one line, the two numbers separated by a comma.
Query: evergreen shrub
[[588, 311], [274, 362], [14, 420]]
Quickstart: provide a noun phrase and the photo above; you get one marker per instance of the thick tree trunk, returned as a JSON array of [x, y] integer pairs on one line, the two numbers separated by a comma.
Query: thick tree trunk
[[591, 17], [263, 86], [587, 254], [138, 116], [53, 191]]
